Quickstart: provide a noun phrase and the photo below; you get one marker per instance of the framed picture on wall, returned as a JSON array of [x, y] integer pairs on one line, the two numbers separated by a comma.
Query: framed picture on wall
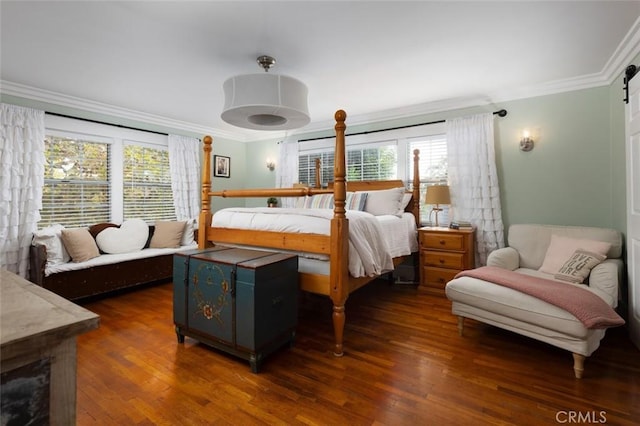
[[221, 166]]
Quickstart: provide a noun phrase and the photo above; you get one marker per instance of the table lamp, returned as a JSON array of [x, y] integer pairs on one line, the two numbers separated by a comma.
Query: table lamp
[[436, 195]]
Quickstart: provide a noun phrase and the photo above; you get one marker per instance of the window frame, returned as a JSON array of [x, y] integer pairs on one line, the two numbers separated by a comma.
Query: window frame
[[116, 137]]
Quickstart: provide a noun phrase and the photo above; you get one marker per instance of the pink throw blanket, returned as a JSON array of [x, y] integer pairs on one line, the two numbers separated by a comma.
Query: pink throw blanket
[[587, 307]]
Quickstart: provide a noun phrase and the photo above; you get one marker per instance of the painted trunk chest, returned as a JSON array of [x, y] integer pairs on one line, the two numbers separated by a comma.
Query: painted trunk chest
[[241, 301]]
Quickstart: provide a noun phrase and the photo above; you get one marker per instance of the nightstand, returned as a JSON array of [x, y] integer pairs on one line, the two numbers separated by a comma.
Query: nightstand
[[443, 253]]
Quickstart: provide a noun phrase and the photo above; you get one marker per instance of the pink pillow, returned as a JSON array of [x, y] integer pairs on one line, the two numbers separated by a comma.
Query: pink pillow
[[562, 248]]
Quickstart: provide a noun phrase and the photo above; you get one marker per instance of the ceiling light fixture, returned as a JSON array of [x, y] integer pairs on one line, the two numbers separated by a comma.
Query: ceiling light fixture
[[265, 101]]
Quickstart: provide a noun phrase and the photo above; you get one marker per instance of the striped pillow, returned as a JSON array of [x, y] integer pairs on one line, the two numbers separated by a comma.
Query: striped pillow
[[355, 201], [319, 201]]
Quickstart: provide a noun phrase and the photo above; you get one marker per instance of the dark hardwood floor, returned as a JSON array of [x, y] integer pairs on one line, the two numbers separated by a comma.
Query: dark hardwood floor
[[404, 364]]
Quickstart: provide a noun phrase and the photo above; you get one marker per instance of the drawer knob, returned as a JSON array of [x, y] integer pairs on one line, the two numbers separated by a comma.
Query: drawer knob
[[442, 242], [441, 260]]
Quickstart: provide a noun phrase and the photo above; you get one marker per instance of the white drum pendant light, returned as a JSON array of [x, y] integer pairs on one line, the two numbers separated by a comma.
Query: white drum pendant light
[[265, 101]]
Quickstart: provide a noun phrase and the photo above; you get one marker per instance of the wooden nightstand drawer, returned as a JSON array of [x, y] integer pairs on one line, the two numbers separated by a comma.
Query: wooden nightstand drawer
[[443, 253], [438, 277], [442, 241], [444, 259]]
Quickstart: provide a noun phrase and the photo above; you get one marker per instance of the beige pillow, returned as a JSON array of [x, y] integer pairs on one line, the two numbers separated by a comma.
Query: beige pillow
[[579, 266], [167, 234], [562, 248], [79, 244]]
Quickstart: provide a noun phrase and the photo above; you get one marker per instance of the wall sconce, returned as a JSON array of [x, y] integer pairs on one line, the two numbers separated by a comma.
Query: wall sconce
[[271, 164], [526, 143]]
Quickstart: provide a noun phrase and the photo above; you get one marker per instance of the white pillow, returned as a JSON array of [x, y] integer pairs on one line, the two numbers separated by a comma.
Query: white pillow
[[406, 197], [131, 236], [187, 235], [51, 238], [562, 248], [384, 202]]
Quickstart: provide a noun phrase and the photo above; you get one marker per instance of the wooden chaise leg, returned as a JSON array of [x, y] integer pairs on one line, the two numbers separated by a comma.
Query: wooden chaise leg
[[338, 328], [460, 325], [578, 365]]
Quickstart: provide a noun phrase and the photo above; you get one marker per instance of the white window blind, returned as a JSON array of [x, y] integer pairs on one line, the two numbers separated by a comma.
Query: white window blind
[[147, 183], [433, 171], [76, 187], [364, 162]]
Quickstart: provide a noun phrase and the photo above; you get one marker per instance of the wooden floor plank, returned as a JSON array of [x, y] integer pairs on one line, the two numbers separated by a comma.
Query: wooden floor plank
[[404, 364]]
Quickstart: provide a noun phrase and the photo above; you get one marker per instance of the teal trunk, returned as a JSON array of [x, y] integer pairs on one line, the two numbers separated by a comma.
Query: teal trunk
[[241, 301]]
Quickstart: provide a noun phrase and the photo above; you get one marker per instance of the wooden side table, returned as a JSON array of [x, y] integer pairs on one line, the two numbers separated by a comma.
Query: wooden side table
[[443, 253], [38, 352]]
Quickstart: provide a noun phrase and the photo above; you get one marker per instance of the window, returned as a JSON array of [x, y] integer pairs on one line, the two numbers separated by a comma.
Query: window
[[433, 171], [385, 155], [377, 161], [99, 173], [147, 183], [307, 167], [77, 188]]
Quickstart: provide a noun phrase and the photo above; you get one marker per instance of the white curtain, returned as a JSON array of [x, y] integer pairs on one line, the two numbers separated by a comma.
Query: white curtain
[[184, 164], [473, 180], [287, 168], [21, 181]]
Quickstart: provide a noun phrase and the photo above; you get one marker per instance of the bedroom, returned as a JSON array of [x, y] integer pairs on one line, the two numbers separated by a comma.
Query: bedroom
[[574, 175]]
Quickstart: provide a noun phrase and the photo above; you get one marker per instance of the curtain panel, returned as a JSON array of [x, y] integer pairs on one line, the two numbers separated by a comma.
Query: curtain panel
[[473, 180], [287, 169], [22, 160], [184, 165]]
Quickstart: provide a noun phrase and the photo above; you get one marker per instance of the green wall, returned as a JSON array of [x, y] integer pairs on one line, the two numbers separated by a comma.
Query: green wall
[[574, 175]]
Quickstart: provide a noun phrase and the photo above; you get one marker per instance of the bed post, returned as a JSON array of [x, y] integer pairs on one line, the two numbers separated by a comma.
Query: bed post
[[318, 183], [205, 209], [339, 273], [416, 186]]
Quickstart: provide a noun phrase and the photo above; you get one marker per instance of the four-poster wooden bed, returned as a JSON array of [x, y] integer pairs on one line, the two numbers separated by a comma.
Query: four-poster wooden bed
[[338, 284]]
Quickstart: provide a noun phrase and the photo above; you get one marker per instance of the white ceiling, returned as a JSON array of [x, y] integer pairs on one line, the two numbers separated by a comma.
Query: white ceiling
[[165, 62]]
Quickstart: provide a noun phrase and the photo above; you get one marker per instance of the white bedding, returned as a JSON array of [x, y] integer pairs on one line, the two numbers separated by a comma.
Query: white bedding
[[107, 259], [373, 240]]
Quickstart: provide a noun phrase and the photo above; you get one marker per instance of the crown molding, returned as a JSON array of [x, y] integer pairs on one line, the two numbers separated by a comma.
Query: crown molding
[[10, 88], [627, 51]]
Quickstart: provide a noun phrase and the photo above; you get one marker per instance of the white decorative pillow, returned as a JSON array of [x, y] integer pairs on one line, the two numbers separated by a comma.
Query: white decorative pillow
[[51, 238], [189, 229], [562, 248], [579, 266], [385, 202], [130, 236], [167, 234], [406, 197], [80, 244]]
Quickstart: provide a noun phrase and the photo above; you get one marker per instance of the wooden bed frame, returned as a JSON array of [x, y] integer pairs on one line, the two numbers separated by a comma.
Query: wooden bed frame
[[338, 284]]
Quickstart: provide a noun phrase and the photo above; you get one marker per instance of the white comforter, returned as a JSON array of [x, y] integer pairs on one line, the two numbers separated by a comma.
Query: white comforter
[[369, 254]]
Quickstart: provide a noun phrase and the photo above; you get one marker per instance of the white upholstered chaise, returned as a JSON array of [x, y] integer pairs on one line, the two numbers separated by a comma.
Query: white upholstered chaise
[[518, 312]]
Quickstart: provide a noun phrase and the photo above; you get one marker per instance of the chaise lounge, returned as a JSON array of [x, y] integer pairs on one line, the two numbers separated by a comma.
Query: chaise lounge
[[533, 254]]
